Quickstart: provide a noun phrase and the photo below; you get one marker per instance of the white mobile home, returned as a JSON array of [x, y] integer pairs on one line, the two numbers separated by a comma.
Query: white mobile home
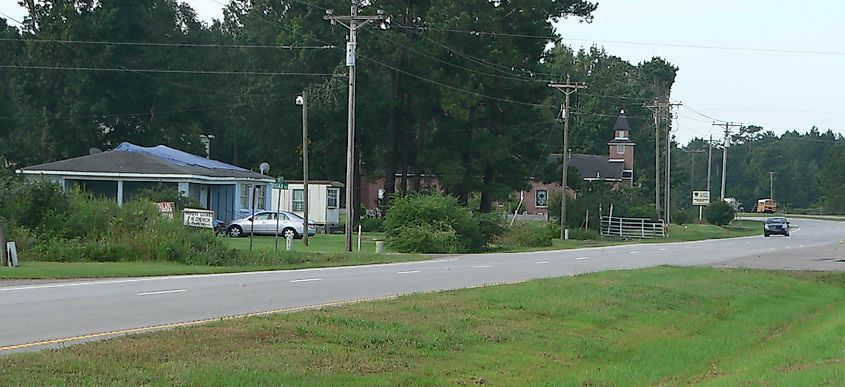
[[323, 201]]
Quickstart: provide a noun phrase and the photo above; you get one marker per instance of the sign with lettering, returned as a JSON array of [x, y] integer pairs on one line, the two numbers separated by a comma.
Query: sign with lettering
[[700, 198], [198, 218], [165, 209]]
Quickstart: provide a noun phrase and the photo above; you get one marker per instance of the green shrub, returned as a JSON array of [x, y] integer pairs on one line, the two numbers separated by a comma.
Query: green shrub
[[581, 234], [528, 234], [40, 206], [491, 225], [681, 217], [719, 213], [437, 237], [372, 224], [431, 223], [163, 193]]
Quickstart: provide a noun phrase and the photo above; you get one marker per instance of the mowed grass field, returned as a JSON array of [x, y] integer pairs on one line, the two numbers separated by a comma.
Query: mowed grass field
[[661, 326]]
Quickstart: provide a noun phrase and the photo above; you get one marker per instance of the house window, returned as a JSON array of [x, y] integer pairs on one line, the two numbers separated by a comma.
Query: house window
[[298, 200], [245, 188], [331, 197], [260, 195], [620, 149], [541, 197]]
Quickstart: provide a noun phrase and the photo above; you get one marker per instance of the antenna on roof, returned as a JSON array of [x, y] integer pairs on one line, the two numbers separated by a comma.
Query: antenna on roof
[[264, 168], [94, 151]]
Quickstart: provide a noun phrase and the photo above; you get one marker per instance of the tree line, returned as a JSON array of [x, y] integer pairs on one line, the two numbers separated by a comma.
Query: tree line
[[453, 89]]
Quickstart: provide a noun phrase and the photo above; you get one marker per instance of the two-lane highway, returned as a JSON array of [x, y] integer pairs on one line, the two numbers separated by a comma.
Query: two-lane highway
[[66, 312]]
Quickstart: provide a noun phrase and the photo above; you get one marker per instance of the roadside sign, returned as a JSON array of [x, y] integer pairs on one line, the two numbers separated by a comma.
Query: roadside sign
[[700, 198], [198, 218], [280, 183], [165, 209]]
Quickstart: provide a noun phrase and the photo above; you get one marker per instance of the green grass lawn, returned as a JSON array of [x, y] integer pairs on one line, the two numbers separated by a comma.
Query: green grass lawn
[[324, 250], [661, 326], [320, 243]]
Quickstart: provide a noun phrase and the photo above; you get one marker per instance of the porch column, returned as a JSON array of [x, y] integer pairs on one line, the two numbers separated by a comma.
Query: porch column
[[120, 192]]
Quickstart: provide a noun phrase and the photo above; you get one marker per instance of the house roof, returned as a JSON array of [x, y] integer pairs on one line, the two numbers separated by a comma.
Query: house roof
[[158, 161], [594, 166], [330, 183]]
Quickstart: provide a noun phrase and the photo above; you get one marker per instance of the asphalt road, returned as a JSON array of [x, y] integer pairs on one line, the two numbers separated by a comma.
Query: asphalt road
[[34, 316]]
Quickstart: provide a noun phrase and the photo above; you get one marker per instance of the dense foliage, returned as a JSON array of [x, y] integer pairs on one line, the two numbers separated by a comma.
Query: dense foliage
[[719, 213], [49, 225], [432, 223]]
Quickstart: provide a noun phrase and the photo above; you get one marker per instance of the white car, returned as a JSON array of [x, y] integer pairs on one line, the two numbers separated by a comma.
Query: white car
[[264, 223]]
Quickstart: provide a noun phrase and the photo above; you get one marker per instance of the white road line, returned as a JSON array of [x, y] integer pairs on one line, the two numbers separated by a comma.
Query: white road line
[[482, 267], [801, 246], [633, 252], [662, 249], [542, 262], [581, 258], [306, 280], [162, 292], [408, 272]]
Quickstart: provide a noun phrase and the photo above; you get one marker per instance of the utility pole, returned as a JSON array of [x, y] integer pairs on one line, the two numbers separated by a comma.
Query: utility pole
[[669, 116], [567, 89], [709, 160], [728, 126], [772, 185], [305, 166], [657, 108], [352, 22]]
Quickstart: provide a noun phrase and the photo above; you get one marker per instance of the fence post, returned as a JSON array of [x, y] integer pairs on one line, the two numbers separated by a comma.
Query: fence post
[[642, 228]]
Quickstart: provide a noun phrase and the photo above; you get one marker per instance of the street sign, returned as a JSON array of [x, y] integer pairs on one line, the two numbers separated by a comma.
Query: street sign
[[700, 198], [280, 183]]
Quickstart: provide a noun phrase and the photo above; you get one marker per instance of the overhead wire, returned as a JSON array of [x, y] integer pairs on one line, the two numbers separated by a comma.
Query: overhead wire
[[627, 42], [170, 71], [153, 44]]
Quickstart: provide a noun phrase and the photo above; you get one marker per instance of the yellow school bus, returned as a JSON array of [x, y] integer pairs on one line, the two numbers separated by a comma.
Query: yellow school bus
[[768, 206]]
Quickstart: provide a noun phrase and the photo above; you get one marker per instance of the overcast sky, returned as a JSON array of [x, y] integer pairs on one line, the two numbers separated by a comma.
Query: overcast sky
[[747, 79]]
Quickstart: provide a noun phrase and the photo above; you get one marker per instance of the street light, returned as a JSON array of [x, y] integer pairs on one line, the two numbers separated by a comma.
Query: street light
[[302, 100]]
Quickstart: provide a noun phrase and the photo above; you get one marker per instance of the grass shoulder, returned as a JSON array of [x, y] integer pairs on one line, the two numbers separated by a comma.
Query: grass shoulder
[[663, 325]]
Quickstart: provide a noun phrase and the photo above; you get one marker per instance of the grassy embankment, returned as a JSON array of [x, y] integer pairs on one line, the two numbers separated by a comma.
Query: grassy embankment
[[323, 251], [665, 326]]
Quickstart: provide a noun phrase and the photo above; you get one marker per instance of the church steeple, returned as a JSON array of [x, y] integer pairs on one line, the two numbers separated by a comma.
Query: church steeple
[[622, 148]]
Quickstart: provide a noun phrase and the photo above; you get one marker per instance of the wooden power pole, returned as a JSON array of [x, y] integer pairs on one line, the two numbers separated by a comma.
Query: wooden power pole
[[352, 22], [567, 89]]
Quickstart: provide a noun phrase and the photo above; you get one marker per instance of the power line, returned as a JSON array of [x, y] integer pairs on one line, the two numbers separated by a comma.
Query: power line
[[212, 72], [628, 42], [152, 44]]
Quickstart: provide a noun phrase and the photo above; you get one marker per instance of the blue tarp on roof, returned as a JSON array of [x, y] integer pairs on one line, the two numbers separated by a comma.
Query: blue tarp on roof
[[178, 157]]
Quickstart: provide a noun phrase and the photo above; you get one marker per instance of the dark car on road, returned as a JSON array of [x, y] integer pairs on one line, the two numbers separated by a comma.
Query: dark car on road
[[776, 226]]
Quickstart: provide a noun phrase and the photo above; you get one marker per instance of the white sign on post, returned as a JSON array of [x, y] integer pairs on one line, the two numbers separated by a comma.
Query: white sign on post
[[700, 198], [12, 253], [198, 218]]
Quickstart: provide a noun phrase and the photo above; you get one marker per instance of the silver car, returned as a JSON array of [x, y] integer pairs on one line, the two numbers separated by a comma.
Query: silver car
[[264, 223]]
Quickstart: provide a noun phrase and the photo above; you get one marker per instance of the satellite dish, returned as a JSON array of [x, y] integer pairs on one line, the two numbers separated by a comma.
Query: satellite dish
[[264, 168], [94, 151]]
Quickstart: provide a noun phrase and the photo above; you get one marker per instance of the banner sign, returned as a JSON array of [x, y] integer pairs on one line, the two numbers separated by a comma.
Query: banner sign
[[700, 198], [198, 218]]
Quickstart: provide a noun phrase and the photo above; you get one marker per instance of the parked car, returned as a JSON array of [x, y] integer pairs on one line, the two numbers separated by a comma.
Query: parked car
[[776, 225], [264, 223]]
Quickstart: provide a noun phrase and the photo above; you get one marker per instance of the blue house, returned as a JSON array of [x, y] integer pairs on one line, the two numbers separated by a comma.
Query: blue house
[[121, 173]]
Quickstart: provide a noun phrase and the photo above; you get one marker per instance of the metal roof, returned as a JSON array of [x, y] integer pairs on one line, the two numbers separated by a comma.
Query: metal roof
[[155, 161]]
